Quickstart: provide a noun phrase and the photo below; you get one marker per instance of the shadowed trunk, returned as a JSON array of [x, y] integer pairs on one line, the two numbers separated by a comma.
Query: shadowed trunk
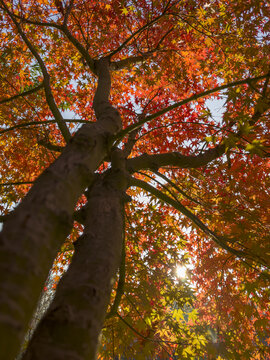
[[71, 326], [33, 234]]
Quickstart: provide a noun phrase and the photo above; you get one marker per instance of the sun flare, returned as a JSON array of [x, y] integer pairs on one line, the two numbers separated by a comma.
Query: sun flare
[[181, 271]]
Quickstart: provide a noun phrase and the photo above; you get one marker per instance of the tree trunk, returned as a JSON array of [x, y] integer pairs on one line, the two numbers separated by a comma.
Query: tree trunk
[[71, 326], [33, 234]]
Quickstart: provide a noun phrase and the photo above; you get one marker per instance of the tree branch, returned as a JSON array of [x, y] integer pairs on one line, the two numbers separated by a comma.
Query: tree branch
[[121, 64], [148, 118], [46, 77], [38, 23], [82, 50], [132, 328], [17, 183], [68, 11], [130, 143], [177, 188], [45, 122], [107, 116], [219, 240], [154, 162], [24, 93], [136, 33], [50, 146], [148, 338]]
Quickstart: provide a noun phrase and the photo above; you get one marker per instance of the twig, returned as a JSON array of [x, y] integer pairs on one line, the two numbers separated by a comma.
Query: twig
[[186, 101], [24, 93], [221, 241], [17, 183], [46, 77], [42, 123]]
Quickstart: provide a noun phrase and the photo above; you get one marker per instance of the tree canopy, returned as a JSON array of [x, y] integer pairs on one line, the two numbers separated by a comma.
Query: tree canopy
[[134, 138]]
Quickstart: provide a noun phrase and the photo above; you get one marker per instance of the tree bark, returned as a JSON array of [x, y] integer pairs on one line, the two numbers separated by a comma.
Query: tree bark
[[71, 327], [33, 234]]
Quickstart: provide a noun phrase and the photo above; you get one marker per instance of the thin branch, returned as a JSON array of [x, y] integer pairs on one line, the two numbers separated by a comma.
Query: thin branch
[[265, 85], [164, 37], [178, 188], [203, 33], [132, 328], [68, 11], [134, 307], [141, 29], [134, 34], [140, 315], [121, 64], [46, 77], [188, 100], [41, 123], [147, 338], [17, 183], [23, 98], [159, 183], [78, 22], [50, 146], [38, 23], [185, 122], [254, 88], [24, 93], [83, 51], [48, 24], [221, 241], [154, 162]]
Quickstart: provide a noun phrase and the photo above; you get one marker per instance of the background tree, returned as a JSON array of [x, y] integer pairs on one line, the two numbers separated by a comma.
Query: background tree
[[138, 183]]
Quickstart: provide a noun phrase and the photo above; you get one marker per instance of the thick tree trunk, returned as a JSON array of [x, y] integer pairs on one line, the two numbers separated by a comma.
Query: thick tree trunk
[[33, 234], [71, 326]]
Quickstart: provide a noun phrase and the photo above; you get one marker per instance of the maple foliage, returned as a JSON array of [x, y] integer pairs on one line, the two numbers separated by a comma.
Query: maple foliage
[[190, 80]]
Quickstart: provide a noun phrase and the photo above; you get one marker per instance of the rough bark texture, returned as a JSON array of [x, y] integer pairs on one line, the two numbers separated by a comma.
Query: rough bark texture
[[33, 234], [71, 327], [154, 162]]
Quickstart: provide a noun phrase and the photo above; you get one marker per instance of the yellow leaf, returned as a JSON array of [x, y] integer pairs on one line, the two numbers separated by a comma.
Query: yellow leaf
[[208, 41], [124, 11], [210, 20]]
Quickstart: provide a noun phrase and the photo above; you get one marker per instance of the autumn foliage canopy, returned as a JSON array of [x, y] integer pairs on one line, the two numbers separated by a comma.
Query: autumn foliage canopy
[[142, 129]]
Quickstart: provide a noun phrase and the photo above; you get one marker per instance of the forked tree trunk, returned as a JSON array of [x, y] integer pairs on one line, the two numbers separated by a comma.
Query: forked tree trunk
[[71, 326], [33, 234]]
